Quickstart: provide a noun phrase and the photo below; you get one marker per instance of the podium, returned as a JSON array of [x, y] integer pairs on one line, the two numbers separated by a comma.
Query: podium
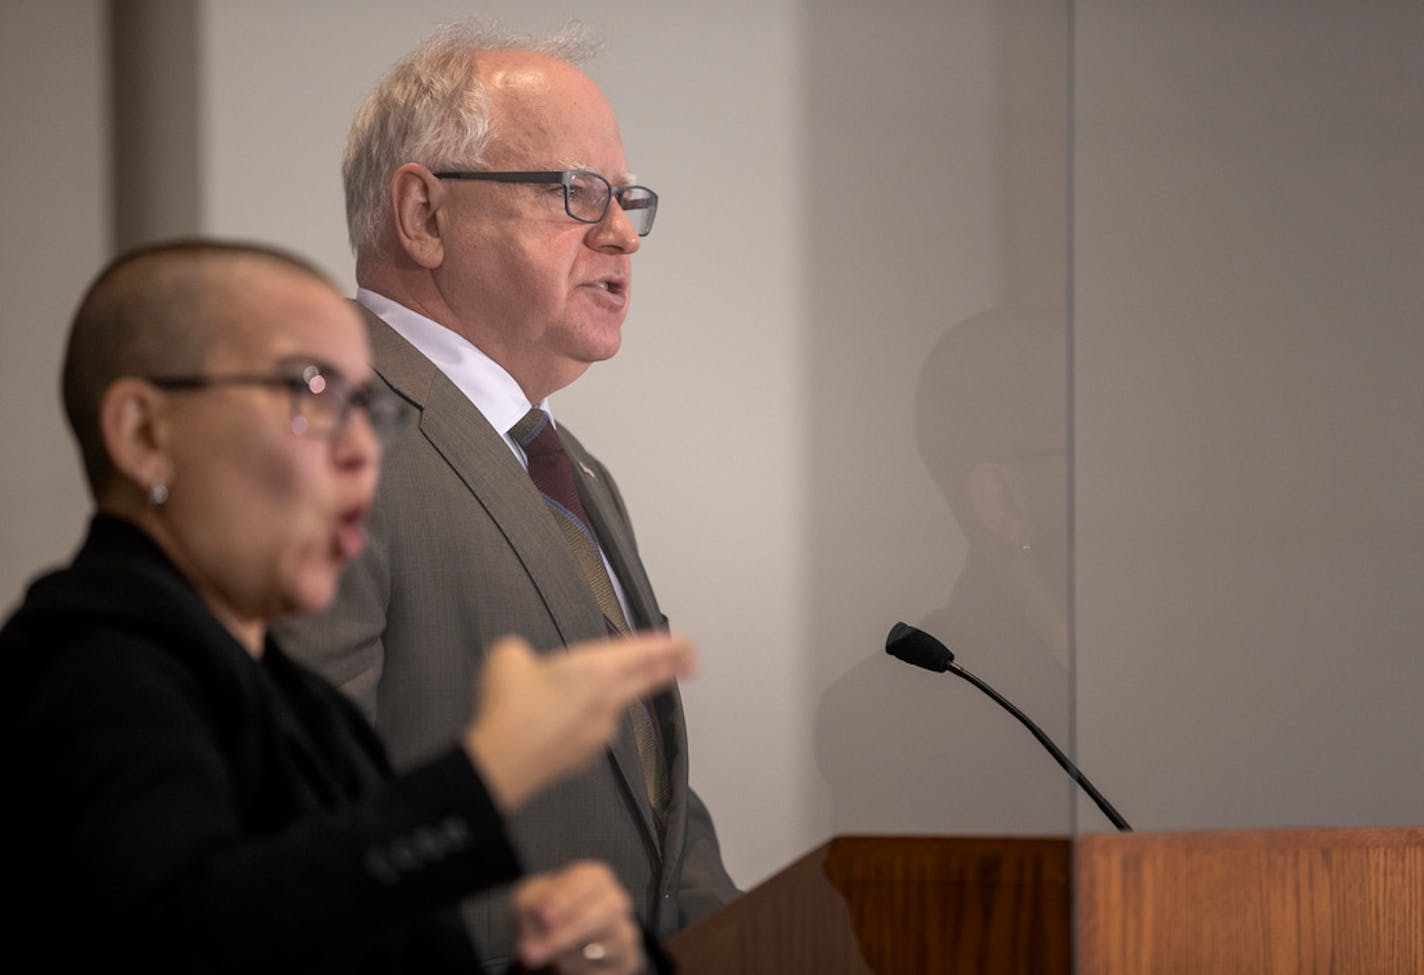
[[1253, 902]]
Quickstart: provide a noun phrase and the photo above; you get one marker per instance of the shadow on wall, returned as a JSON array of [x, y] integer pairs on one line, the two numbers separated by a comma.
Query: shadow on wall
[[902, 751]]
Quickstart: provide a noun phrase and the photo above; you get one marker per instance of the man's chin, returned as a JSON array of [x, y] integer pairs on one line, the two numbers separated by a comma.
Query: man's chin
[[598, 345]]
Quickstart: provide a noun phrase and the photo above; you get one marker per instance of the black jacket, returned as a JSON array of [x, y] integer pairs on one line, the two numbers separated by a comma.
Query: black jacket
[[173, 804]]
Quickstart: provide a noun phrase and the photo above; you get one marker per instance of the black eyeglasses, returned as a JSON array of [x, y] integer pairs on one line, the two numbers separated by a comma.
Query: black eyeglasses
[[321, 398], [586, 194]]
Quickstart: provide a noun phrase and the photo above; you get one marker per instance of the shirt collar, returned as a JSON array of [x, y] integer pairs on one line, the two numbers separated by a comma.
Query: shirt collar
[[486, 384]]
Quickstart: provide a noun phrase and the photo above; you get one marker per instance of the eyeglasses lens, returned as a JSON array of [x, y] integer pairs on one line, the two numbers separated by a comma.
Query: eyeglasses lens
[[321, 405], [387, 412], [640, 205], [587, 196]]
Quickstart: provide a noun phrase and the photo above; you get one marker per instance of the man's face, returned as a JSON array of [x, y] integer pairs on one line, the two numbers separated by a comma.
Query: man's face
[[537, 291]]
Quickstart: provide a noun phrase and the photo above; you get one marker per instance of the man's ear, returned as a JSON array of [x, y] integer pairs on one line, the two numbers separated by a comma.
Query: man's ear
[[416, 199], [997, 496], [134, 424]]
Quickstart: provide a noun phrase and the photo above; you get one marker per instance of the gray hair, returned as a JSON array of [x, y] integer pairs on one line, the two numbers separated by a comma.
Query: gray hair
[[431, 108]]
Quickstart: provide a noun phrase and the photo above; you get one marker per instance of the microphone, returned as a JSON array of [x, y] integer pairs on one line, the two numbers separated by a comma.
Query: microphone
[[915, 646]]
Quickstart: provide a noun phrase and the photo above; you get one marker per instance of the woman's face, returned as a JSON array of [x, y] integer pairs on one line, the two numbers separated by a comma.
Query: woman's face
[[261, 518]]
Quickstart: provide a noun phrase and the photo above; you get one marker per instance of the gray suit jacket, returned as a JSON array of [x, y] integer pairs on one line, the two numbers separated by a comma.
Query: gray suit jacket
[[462, 550]]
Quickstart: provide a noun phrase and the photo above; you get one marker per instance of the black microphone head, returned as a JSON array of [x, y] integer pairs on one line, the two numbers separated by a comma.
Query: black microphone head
[[915, 646]]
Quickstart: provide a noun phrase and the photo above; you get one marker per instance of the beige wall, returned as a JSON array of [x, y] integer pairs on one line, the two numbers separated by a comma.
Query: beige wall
[[54, 168], [888, 233]]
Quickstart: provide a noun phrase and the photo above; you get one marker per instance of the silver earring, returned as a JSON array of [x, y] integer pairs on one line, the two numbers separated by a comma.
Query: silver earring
[[157, 494]]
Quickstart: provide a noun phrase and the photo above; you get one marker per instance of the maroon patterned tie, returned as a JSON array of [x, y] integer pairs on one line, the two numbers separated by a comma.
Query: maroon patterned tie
[[553, 475]]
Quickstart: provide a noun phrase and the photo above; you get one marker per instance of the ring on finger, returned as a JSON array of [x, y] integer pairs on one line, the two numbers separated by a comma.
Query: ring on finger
[[595, 953]]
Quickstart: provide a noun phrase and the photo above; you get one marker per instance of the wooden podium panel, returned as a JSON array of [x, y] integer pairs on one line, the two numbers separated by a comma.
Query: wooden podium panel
[[1235, 902], [887, 904], [931, 904], [1252, 902], [794, 922]]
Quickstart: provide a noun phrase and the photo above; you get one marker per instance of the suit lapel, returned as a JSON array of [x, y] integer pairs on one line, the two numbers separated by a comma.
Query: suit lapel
[[482, 459], [610, 524]]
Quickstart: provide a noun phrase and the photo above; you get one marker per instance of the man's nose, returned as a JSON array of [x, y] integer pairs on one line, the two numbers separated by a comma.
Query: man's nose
[[614, 232]]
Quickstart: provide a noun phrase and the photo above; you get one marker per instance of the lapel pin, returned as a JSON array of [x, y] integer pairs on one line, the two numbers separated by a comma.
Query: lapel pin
[[584, 467]]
